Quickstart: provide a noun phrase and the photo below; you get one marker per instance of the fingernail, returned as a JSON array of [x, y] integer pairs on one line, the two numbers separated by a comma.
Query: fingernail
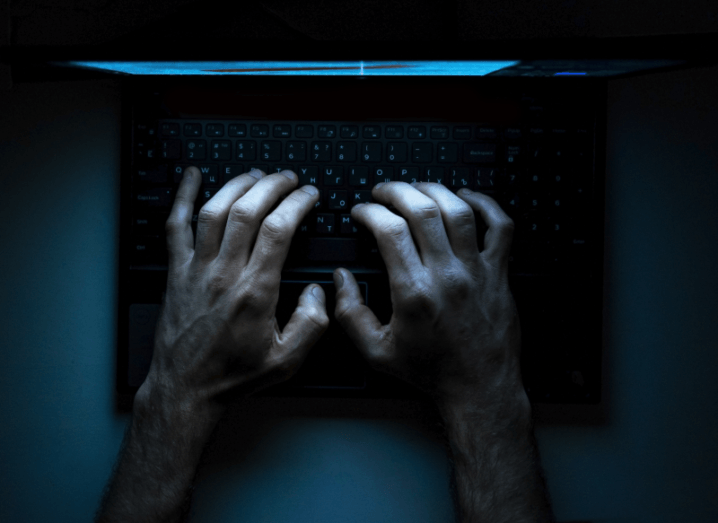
[[254, 173], [289, 174], [189, 172], [310, 189], [317, 293], [465, 191], [340, 280], [379, 185]]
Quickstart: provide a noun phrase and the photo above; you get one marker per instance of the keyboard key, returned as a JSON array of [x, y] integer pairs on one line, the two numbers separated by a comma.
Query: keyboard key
[[486, 133], [333, 176], [332, 249], [304, 131], [448, 152], [326, 131], [308, 175], [158, 197], [512, 133], [421, 152], [462, 133], [169, 129], [214, 130], [371, 152], [196, 150], [434, 175], [337, 200], [221, 150], [394, 132], [359, 176], [149, 250], [460, 178], [271, 151], [297, 151], [347, 152], [192, 129], [349, 131], [210, 175], [371, 131], [408, 174], [282, 131], [259, 131], [487, 178], [383, 174], [325, 224], [321, 151], [417, 132], [479, 153], [156, 175], [346, 226], [439, 133], [396, 152], [361, 197], [230, 171], [171, 149], [237, 130], [246, 150]]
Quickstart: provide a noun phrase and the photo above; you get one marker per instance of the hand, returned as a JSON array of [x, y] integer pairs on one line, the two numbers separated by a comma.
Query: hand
[[217, 335], [455, 328]]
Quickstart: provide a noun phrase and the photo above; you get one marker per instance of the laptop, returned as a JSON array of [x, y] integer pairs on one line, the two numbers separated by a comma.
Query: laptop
[[529, 133]]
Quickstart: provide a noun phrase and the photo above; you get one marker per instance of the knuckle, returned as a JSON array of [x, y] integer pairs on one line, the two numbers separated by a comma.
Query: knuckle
[[507, 226], [462, 214], [253, 298], [418, 297], [207, 214], [320, 319], [427, 212], [456, 283], [395, 229], [275, 229], [171, 225], [241, 212]]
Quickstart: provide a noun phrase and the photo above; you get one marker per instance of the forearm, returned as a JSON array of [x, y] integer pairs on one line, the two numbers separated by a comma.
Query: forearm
[[497, 471], [161, 451]]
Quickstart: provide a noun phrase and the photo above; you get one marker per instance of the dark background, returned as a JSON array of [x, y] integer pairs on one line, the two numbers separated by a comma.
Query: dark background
[[653, 460]]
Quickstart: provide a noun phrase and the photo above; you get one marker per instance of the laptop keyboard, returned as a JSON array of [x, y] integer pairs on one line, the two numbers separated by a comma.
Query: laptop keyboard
[[540, 173]]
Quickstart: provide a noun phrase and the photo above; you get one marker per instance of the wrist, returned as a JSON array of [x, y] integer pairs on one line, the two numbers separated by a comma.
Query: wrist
[[160, 401], [464, 406]]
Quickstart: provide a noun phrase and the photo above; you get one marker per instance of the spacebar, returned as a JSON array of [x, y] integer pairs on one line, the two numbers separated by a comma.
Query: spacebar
[[332, 249]]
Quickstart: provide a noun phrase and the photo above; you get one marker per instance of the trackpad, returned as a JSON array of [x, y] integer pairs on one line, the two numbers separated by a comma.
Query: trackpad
[[333, 361]]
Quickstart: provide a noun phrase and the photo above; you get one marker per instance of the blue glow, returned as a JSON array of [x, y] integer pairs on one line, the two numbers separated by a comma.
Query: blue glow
[[411, 68], [567, 74]]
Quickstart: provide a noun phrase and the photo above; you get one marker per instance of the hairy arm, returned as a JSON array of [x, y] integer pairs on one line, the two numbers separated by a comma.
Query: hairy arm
[[497, 471], [153, 478]]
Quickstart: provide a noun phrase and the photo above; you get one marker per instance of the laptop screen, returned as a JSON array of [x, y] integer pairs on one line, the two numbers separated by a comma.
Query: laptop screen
[[541, 68]]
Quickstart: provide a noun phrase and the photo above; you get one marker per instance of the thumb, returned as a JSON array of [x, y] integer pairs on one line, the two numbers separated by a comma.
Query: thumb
[[358, 321], [307, 324]]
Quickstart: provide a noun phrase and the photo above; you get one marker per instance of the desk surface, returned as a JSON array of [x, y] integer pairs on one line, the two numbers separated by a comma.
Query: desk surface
[[654, 459]]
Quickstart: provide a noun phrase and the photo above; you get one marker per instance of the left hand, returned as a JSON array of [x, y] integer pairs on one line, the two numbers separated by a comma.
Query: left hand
[[217, 336]]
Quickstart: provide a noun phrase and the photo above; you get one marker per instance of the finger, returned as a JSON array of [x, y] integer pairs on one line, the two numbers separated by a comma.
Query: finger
[[178, 228], [247, 214], [359, 322], [277, 229], [213, 215], [459, 220], [424, 218], [307, 324], [500, 233], [394, 240]]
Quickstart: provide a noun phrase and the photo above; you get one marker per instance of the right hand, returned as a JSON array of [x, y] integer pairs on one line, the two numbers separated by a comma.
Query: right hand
[[455, 330]]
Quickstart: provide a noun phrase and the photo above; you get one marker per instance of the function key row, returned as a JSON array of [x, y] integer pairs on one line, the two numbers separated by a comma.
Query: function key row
[[397, 132]]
